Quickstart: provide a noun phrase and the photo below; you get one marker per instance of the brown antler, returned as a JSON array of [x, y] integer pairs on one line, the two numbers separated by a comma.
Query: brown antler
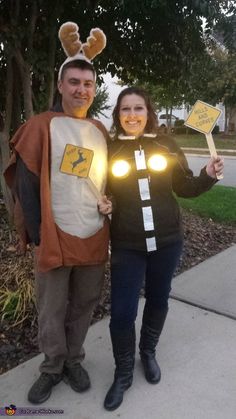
[[69, 37], [96, 42]]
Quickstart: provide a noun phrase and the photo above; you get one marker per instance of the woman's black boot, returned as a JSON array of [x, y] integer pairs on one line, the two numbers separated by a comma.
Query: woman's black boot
[[152, 325], [123, 344]]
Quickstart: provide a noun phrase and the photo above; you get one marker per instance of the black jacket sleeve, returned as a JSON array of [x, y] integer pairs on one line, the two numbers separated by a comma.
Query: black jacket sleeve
[[186, 185], [28, 192]]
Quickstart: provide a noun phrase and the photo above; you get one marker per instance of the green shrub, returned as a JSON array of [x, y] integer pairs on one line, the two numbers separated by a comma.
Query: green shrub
[[216, 129], [9, 301], [179, 122], [17, 299], [180, 130]]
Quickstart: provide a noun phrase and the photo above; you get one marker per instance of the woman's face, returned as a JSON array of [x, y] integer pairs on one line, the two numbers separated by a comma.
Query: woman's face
[[133, 114]]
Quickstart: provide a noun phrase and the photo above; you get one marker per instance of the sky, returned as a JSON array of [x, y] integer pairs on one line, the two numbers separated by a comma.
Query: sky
[[113, 90]]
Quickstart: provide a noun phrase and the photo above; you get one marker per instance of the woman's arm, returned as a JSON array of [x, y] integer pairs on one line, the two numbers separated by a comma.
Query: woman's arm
[[186, 185]]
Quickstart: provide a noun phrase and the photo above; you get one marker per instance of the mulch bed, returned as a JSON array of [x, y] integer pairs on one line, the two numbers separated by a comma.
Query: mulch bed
[[203, 239]]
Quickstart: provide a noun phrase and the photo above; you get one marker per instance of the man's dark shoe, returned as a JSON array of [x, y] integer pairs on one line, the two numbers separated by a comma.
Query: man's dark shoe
[[77, 377], [42, 388]]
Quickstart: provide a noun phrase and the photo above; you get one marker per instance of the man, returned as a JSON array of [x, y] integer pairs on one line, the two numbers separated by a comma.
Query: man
[[58, 171]]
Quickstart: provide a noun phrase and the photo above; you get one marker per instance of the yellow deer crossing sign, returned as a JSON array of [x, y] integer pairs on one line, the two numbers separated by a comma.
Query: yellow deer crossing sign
[[76, 160]]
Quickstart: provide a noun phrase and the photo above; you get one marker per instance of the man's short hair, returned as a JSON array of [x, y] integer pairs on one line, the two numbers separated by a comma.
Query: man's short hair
[[81, 64]]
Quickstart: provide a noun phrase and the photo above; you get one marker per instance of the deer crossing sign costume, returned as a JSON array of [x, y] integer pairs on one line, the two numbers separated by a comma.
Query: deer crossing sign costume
[[72, 232], [57, 172]]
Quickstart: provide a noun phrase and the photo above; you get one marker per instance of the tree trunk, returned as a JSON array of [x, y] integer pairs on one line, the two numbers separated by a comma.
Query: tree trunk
[[51, 64], [169, 117], [4, 140], [226, 131], [4, 157], [17, 102], [52, 42], [25, 73], [23, 61], [231, 124]]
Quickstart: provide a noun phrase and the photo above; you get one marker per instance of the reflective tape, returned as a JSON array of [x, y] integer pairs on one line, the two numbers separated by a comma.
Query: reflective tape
[[144, 189], [151, 244], [148, 218], [140, 159]]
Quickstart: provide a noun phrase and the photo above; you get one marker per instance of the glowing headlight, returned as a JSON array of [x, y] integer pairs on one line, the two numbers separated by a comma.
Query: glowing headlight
[[120, 168], [157, 162]]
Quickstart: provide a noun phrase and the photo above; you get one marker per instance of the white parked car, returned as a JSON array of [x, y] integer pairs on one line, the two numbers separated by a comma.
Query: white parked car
[[162, 120]]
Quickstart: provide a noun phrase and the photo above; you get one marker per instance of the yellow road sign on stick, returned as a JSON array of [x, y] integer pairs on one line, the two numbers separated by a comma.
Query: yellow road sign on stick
[[202, 117]]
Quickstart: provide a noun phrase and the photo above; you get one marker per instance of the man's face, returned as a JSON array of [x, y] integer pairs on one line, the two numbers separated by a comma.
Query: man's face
[[78, 90]]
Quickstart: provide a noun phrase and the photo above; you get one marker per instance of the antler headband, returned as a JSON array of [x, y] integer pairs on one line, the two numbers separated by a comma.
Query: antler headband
[[73, 47]]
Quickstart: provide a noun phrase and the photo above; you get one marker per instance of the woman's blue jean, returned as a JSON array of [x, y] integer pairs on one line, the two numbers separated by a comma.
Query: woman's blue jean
[[132, 269]]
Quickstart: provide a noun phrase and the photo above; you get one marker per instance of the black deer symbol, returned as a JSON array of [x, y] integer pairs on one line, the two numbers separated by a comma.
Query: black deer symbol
[[78, 161]]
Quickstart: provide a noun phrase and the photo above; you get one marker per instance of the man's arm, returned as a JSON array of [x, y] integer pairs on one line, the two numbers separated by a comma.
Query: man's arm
[[28, 192]]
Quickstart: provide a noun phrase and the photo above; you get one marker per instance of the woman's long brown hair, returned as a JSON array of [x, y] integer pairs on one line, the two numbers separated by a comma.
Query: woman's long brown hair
[[152, 124]]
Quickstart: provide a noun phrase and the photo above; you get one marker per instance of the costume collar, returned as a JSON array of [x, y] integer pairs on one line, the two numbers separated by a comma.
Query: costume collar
[[132, 137]]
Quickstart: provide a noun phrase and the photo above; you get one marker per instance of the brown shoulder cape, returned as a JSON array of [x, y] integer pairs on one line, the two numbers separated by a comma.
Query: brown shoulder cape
[[57, 248]]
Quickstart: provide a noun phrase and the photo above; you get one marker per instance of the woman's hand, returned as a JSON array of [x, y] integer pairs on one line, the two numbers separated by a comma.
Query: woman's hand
[[104, 205], [215, 167]]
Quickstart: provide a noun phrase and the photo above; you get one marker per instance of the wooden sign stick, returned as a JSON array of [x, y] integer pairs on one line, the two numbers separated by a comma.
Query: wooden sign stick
[[212, 149]]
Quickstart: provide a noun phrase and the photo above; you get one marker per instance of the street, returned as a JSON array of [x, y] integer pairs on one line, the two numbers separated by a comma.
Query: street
[[197, 162]]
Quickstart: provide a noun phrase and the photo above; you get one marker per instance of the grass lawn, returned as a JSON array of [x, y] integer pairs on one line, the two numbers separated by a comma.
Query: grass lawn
[[218, 204], [199, 141]]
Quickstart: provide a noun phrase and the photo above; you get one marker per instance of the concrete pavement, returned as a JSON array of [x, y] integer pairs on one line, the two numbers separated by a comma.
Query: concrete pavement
[[196, 352], [205, 151], [211, 284], [196, 162]]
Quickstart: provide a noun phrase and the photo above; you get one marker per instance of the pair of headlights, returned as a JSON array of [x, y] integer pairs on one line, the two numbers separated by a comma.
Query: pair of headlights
[[156, 163]]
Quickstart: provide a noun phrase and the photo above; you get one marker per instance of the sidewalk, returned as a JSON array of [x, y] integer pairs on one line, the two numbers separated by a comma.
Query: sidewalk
[[205, 151], [196, 352]]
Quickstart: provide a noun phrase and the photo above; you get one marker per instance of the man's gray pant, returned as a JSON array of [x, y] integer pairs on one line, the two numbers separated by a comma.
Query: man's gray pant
[[66, 298]]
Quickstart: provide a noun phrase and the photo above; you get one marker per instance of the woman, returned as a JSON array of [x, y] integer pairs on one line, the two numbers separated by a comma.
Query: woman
[[145, 171]]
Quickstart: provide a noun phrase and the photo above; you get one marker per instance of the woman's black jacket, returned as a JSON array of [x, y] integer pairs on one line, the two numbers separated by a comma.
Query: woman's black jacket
[[127, 224]]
